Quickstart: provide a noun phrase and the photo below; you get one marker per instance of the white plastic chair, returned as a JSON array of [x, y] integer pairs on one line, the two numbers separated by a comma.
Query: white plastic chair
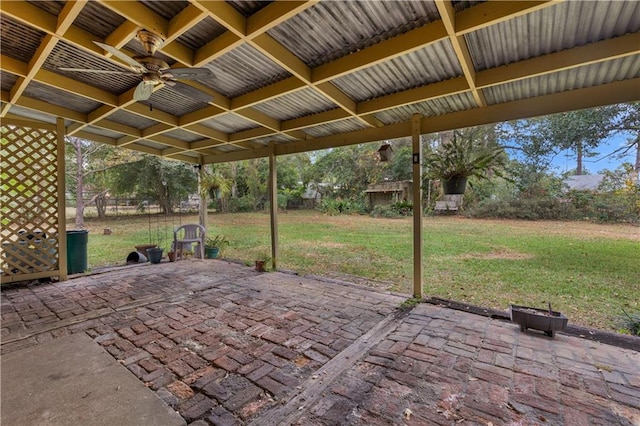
[[188, 234]]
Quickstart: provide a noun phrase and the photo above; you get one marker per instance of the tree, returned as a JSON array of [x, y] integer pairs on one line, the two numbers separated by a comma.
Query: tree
[[627, 122], [155, 179], [87, 162], [542, 138], [347, 171]]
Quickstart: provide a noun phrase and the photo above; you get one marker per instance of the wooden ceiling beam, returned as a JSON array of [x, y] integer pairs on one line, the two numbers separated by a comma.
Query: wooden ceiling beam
[[330, 116], [264, 94], [448, 16], [606, 50], [494, 12], [419, 94], [225, 14], [140, 15], [612, 93], [122, 35], [55, 110], [274, 14], [380, 52]]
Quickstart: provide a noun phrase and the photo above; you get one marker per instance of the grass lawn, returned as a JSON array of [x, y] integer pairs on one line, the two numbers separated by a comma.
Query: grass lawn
[[588, 271]]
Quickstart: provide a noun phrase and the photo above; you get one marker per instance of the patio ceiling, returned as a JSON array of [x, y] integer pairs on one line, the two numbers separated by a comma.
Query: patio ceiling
[[307, 75]]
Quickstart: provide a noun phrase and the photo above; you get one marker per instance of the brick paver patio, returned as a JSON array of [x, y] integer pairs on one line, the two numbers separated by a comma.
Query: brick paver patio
[[225, 345]]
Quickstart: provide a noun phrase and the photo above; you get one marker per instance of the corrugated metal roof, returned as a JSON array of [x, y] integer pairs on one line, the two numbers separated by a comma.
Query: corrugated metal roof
[[35, 115], [330, 30], [166, 9], [295, 105], [54, 6], [430, 108], [575, 78], [349, 125], [243, 70], [317, 33], [170, 101], [98, 20], [103, 132], [66, 56], [229, 123], [7, 80], [428, 65], [130, 119], [184, 135], [249, 7], [549, 30], [18, 41], [198, 35], [227, 148], [60, 97]]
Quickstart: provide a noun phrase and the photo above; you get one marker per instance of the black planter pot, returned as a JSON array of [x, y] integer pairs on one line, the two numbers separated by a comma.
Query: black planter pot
[[454, 185]]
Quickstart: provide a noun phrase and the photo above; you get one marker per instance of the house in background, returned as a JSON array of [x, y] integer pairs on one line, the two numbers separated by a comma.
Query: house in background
[[583, 182], [387, 193]]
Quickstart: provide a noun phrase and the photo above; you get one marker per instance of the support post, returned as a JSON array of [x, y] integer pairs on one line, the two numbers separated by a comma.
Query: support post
[[202, 211], [62, 202], [417, 206], [273, 196]]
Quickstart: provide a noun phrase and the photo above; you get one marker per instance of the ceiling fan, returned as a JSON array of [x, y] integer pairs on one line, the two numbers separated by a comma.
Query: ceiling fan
[[154, 71]]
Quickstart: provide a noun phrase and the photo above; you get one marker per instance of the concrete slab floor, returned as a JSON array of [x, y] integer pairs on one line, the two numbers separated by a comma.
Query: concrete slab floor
[[73, 381], [225, 345]]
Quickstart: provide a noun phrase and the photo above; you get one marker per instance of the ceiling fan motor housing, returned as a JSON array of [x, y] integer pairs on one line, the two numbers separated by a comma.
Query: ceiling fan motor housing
[[150, 41]]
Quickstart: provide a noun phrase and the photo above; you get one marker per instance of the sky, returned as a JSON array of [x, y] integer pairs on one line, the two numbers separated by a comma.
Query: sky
[[566, 160]]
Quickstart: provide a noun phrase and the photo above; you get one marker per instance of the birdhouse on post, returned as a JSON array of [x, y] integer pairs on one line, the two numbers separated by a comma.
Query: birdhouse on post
[[385, 152]]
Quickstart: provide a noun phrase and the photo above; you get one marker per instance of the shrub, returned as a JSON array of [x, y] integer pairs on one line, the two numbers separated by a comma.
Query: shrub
[[339, 206], [242, 204], [630, 322]]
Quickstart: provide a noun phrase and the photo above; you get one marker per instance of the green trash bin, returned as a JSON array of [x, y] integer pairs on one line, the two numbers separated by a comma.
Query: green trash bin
[[77, 251]]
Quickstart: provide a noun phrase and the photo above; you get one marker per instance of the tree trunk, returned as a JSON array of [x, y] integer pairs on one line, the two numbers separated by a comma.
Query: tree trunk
[[637, 166], [79, 186], [579, 165], [101, 205]]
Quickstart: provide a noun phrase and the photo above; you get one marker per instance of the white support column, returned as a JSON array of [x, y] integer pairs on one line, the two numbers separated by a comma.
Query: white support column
[[273, 196], [202, 211], [62, 202], [417, 206]]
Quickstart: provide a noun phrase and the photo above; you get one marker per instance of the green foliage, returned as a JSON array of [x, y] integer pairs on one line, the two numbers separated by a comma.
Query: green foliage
[[338, 206], [345, 172], [218, 241], [156, 180], [242, 204], [527, 209], [540, 139], [400, 209], [469, 153], [630, 322]]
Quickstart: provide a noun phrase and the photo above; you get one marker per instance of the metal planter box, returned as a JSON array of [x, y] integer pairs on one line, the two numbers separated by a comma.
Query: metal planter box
[[538, 319]]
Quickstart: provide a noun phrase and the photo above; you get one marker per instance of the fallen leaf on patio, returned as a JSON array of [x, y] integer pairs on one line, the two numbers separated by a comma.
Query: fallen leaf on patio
[[407, 413]]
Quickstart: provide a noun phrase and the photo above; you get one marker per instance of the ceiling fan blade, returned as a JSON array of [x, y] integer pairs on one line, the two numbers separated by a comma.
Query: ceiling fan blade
[[188, 73], [115, 52], [99, 71], [188, 91], [143, 91]]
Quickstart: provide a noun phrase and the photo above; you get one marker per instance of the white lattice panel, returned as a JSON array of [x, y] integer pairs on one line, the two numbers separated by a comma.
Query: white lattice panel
[[29, 203]]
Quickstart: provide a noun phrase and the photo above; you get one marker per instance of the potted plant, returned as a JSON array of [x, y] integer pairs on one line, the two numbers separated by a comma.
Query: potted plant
[[465, 155], [212, 246], [261, 263]]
